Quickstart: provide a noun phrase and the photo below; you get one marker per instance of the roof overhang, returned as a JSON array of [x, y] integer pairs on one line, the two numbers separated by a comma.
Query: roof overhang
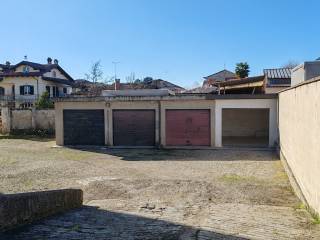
[[58, 80]]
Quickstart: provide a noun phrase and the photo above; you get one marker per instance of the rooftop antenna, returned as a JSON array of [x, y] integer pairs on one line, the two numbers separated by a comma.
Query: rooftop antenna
[[115, 69]]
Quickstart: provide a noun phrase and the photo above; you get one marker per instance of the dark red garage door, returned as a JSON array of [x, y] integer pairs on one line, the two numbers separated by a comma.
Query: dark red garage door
[[134, 127], [188, 127]]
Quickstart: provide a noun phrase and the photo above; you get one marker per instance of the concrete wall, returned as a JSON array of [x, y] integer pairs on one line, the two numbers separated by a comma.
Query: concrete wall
[[44, 119], [22, 208], [160, 107], [297, 75], [245, 122], [30, 119], [21, 119], [299, 129]]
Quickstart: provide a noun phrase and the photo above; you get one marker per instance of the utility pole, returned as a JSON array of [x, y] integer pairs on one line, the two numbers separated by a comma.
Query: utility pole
[[115, 70]]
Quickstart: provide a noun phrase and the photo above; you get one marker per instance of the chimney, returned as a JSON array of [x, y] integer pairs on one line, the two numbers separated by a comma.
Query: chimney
[[56, 61], [49, 60], [117, 84]]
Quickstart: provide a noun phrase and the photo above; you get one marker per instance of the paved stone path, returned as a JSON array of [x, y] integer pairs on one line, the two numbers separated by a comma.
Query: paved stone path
[[157, 194], [149, 221]]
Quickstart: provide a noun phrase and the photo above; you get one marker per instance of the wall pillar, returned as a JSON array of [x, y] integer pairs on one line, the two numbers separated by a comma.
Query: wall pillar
[[6, 120], [33, 118], [218, 125]]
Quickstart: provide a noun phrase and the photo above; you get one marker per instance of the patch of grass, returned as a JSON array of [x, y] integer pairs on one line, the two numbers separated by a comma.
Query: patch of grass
[[316, 219], [236, 178], [280, 174], [29, 183], [315, 216], [300, 206]]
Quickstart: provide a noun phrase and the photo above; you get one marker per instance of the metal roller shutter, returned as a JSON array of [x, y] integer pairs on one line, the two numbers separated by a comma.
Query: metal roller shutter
[[134, 127], [188, 127], [83, 127]]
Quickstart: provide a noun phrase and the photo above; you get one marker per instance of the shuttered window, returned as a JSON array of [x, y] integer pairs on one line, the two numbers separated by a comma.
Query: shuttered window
[[27, 90]]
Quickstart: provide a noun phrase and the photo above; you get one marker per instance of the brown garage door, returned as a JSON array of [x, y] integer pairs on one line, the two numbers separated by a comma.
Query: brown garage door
[[188, 127], [134, 127]]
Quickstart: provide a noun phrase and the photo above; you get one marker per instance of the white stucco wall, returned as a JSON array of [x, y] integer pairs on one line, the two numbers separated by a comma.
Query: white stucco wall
[[58, 74], [299, 130]]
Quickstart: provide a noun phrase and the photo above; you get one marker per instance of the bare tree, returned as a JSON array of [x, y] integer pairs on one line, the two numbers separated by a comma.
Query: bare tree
[[290, 64], [131, 78], [96, 73]]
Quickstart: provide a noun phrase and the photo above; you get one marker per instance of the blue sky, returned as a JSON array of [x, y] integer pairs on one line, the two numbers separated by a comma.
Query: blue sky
[[179, 41]]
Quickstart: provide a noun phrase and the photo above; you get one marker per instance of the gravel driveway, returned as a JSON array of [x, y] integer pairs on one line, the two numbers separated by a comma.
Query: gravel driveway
[[154, 194]]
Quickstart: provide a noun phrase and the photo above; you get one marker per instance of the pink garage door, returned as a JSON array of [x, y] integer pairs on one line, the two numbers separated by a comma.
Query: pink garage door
[[188, 127]]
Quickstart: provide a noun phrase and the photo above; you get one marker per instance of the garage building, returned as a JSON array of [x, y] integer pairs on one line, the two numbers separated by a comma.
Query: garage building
[[178, 121]]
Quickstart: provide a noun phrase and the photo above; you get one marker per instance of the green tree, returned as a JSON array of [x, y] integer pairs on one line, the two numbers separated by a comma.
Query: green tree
[[242, 69], [44, 102]]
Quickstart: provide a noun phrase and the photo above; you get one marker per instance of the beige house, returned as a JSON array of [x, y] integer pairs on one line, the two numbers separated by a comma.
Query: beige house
[[24, 82]]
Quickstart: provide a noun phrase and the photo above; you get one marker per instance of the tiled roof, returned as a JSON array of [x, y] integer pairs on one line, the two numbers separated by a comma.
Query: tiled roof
[[8, 70], [278, 73], [20, 74], [225, 72]]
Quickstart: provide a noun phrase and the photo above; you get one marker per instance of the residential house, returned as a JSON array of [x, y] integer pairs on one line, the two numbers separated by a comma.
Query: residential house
[[209, 84], [305, 71], [25, 81], [277, 79], [85, 87], [220, 76], [273, 81]]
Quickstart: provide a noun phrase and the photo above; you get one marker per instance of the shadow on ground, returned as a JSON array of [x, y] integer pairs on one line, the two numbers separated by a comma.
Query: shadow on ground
[[131, 154], [94, 223], [35, 138]]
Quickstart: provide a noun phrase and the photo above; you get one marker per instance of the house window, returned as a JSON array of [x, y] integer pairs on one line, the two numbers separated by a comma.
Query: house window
[[26, 69], [64, 90], [2, 91], [55, 91], [26, 90], [48, 90], [54, 74]]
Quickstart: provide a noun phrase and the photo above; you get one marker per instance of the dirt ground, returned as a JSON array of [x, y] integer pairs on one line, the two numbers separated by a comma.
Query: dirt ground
[[158, 194]]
